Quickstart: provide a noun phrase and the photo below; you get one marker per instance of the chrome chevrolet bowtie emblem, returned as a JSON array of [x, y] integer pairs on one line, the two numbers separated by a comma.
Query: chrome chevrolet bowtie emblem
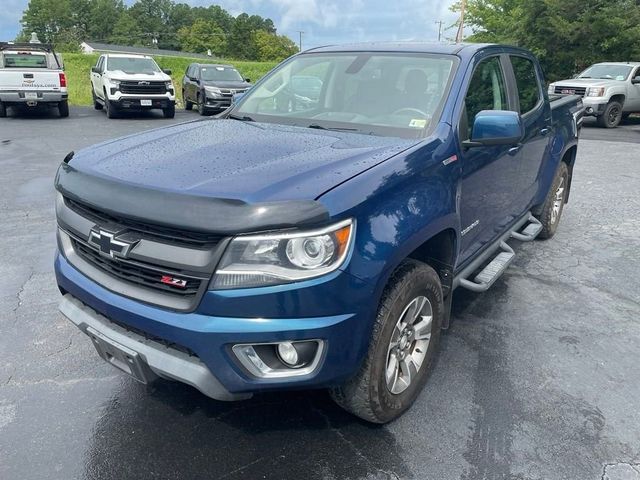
[[109, 245]]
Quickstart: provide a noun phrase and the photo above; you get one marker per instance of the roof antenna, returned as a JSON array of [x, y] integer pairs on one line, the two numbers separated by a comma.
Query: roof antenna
[[34, 38]]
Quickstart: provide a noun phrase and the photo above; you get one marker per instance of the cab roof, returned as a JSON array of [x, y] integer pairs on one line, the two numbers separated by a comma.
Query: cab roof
[[406, 47]]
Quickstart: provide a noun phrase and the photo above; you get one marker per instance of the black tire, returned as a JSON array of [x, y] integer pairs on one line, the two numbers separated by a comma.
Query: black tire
[[96, 103], [612, 115], [551, 212], [3, 110], [367, 395], [111, 109], [169, 112], [63, 108], [187, 104], [201, 108]]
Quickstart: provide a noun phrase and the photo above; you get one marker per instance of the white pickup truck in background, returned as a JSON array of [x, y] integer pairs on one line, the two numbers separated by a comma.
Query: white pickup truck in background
[[31, 74]]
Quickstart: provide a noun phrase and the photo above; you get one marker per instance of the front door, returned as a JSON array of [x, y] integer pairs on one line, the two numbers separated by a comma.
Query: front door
[[489, 173]]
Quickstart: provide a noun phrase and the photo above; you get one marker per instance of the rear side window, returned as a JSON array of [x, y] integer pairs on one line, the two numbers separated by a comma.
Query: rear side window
[[487, 91], [527, 82], [24, 60]]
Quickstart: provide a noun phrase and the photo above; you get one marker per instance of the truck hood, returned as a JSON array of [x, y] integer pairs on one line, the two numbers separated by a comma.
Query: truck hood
[[589, 82], [222, 176], [247, 161], [155, 76]]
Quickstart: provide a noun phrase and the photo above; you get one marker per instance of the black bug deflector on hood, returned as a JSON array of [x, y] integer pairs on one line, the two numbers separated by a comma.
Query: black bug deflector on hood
[[182, 210]]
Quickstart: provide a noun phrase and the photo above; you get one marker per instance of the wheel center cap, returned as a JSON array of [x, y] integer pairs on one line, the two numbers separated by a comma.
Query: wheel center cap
[[403, 342]]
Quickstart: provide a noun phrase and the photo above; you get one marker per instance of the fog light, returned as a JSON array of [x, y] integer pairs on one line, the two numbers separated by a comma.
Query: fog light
[[288, 353]]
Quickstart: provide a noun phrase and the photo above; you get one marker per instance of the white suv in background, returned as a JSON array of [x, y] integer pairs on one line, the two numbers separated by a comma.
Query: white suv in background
[[131, 82]]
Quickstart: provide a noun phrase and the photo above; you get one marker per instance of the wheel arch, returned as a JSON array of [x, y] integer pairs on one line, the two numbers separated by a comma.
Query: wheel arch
[[569, 158], [618, 97]]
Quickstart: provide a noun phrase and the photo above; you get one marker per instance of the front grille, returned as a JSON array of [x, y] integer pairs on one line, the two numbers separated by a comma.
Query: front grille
[[137, 272], [230, 92], [135, 88], [565, 90], [164, 234]]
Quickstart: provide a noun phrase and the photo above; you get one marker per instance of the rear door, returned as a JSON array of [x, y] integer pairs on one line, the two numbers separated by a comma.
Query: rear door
[[536, 119], [489, 174]]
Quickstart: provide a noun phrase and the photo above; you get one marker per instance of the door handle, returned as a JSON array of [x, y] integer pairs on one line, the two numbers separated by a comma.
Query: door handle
[[545, 131]]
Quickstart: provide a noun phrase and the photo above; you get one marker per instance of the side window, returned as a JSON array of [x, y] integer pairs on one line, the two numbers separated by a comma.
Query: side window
[[527, 82], [100, 63], [487, 91], [189, 72]]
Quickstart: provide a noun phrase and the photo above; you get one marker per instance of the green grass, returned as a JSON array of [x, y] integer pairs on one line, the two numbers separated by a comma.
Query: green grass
[[78, 66]]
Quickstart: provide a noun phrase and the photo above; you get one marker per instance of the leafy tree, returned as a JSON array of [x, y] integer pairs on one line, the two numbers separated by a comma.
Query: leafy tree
[[98, 28], [153, 17], [566, 35], [127, 32], [47, 18], [272, 47], [202, 36]]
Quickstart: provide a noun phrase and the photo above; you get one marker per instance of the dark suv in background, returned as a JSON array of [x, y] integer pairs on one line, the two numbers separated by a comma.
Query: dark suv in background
[[211, 87]]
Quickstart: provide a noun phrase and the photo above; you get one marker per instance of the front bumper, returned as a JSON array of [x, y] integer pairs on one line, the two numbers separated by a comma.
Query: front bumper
[[217, 103], [130, 102], [594, 106], [20, 97], [210, 338]]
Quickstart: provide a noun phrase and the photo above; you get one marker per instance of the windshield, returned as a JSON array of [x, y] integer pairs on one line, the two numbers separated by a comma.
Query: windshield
[[388, 94], [132, 65], [227, 74], [609, 72], [25, 60]]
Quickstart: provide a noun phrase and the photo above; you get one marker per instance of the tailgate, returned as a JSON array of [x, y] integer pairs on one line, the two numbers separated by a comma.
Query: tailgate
[[29, 79]]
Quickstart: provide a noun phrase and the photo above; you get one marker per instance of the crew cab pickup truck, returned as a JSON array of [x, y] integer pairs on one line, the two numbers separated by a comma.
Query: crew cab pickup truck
[[31, 75], [131, 82], [287, 245], [610, 91]]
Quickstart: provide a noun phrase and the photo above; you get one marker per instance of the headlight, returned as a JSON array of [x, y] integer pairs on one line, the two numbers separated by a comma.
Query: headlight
[[213, 90], [552, 88], [595, 91], [273, 259], [169, 85], [115, 83]]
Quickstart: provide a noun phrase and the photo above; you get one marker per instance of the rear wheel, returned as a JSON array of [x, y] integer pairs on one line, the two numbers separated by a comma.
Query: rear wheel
[[404, 340], [169, 112], [612, 115], [187, 104], [96, 103], [554, 203], [3, 110], [63, 108]]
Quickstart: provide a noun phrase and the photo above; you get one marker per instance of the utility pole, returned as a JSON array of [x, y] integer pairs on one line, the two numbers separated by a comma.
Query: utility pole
[[460, 34], [300, 32], [439, 23]]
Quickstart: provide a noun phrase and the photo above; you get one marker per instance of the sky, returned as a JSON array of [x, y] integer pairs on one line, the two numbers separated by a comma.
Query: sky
[[323, 21]]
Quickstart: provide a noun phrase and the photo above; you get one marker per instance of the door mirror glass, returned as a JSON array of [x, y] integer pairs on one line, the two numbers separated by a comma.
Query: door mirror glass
[[496, 127], [248, 80]]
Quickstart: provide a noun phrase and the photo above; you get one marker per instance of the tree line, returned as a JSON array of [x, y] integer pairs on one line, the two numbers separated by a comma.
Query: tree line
[[566, 35], [155, 23]]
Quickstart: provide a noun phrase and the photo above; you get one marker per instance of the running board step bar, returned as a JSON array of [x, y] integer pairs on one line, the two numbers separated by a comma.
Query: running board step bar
[[496, 259], [489, 274], [530, 232]]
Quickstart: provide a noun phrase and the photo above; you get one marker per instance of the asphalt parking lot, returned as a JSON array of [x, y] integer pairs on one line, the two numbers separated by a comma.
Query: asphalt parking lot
[[538, 378]]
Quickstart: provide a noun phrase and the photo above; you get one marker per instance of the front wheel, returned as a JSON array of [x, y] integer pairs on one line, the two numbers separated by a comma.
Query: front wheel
[[187, 104], [169, 112], [201, 105], [612, 115], [96, 104], [554, 203], [404, 339], [112, 110]]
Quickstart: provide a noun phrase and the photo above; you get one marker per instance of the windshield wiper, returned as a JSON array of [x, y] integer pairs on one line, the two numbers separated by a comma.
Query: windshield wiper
[[339, 129], [242, 118]]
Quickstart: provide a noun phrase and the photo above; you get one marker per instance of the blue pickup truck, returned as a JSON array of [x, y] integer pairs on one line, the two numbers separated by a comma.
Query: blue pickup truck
[[311, 236]]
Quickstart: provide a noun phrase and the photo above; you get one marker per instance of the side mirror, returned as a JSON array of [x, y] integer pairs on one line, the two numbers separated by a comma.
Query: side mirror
[[636, 81], [236, 97], [193, 79], [167, 71], [95, 69], [248, 80], [496, 127]]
